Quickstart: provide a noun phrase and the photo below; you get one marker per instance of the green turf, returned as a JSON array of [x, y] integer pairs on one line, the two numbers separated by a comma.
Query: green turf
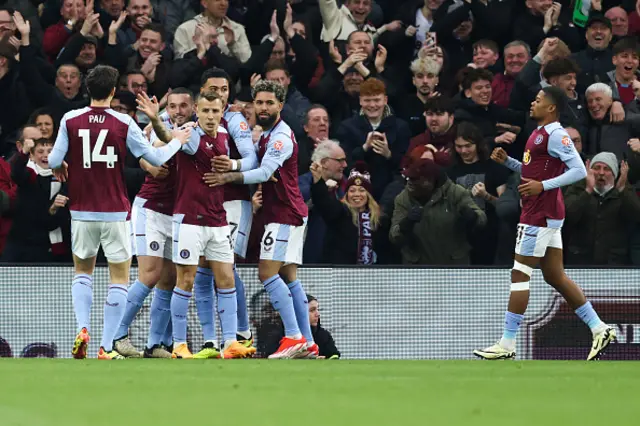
[[43, 392]]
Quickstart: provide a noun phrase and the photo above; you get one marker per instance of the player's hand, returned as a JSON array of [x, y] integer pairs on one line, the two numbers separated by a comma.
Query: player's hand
[[273, 179], [316, 171], [62, 172], [256, 133], [27, 146], [530, 188], [256, 200], [182, 135], [159, 172], [499, 155], [58, 202], [634, 144], [221, 164], [506, 137], [148, 106], [617, 114], [479, 190], [214, 179]]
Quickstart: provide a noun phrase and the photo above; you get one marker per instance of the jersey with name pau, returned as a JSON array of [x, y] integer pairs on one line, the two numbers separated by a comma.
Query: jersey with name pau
[[96, 141], [282, 200], [543, 160], [196, 203], [159, 193], [236, 125]]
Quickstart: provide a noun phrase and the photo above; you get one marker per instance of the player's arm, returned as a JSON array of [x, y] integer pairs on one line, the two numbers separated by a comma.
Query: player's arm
[[500, 156], [160, 130], [276, 154], [141, 148], [244, 143], [561, 146], [61, 146]]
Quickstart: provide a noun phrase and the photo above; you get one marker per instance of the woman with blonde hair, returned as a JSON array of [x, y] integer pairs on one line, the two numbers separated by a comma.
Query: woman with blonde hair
[[352, 223]]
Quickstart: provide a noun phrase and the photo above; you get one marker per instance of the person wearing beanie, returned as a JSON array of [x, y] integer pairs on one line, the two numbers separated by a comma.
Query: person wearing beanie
[[433, 217], [352, 222], [600, 210]]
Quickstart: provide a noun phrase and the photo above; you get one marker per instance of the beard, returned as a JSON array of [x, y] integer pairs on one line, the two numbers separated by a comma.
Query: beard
[[266, 123]]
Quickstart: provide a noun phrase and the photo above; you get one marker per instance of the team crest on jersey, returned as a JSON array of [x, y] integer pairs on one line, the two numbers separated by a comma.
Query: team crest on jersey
[[243, 126], [154, 246], [538, 140], [526, 159], [185, 254]]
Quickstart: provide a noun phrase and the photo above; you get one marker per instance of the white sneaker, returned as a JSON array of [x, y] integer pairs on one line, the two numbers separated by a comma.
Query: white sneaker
[[600, 342], [494, 352]]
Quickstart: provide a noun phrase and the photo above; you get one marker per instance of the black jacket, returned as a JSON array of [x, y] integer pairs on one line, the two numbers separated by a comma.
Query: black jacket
[[352, 134], [594, 66], [341, 239]]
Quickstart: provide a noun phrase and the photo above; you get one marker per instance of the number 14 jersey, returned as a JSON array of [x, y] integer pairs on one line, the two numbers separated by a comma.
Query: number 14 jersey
[[95, 141]]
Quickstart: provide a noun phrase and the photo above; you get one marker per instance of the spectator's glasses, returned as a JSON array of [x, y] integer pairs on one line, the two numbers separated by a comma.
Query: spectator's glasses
[[339, 160], [138, 85]]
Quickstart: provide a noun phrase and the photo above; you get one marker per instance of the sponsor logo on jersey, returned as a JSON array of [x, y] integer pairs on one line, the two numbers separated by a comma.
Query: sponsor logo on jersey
[[566, 141], [526, 158], [278, 145], [244, 126]]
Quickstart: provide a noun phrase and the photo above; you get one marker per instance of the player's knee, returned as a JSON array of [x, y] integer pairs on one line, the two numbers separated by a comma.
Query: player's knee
[[185, 278], [149, 277], [553, 278], [520, 276]]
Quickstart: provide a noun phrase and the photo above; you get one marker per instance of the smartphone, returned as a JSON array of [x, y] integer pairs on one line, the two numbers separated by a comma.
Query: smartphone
[[432, 36]]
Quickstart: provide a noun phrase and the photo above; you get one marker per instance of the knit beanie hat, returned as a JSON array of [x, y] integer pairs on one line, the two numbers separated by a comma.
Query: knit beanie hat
[[608, 158]]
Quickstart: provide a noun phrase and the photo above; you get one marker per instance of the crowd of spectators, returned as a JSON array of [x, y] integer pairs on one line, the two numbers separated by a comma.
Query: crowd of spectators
[[396, 107]]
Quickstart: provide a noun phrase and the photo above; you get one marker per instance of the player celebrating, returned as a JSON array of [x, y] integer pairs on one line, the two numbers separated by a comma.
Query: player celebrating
[[152, 226], [200, 229], [237, 204], [286, 218], [550, 161], [95, 140]]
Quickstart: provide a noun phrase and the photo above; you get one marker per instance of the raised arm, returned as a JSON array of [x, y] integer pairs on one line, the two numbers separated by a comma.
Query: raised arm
[[241, 133], [141, 147]]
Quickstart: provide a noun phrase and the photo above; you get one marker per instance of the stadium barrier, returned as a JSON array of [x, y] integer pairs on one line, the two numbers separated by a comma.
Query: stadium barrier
[[373, 313]]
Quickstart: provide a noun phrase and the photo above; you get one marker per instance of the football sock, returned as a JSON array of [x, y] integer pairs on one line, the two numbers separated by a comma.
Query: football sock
[[283, 303], [138, 292], [203, 291], [301, 307], [228, 312], [160, 316], [511, 325], [243, 313], [179, 307], [114, 308], [82, 296], [589, 316]]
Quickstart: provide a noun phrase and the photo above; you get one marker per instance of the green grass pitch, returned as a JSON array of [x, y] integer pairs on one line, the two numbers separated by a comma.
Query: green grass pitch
[[43, 392]]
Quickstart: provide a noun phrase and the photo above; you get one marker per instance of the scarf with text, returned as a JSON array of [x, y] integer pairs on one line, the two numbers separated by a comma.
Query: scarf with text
[[366, 255], [55, 236]]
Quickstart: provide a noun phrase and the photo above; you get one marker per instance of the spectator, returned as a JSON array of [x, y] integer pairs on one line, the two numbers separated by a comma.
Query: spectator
[[321, 336], [44, 120], [316, 126], [72, 14], [425, 80], [231, 36], [340, 22], [14, 107], [600, 213], [276, 70], [375, 136], [619, 22], [516, 55], [440, 133], [563, 73], [596, 60], [432, 218], [626, 58], [352, 222], [486, 180], [332, 160], [543, 19], [40, 229], [139, 15], [486, 55], [602, 134]]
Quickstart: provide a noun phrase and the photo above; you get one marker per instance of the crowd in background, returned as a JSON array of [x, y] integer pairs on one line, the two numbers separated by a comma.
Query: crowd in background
[[412, 94]]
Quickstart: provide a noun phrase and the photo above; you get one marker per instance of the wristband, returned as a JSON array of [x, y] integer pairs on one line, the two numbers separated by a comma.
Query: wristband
[[234, 165]]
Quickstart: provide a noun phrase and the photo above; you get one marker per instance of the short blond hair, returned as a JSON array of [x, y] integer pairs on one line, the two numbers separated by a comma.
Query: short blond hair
[[425, 65]]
